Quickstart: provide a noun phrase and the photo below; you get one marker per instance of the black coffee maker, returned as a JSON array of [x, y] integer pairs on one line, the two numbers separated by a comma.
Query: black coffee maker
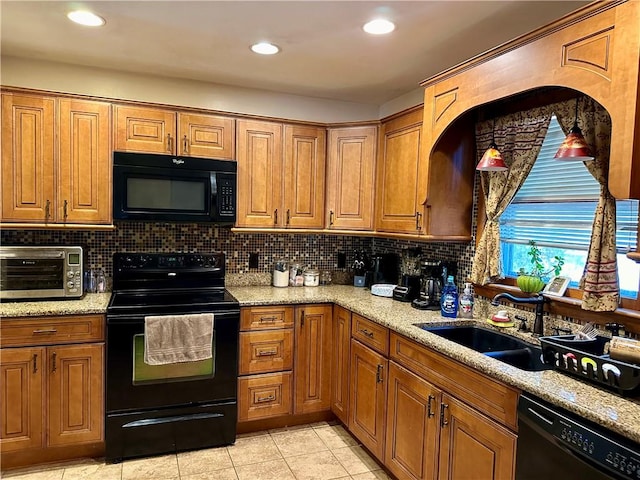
[[434, 276]]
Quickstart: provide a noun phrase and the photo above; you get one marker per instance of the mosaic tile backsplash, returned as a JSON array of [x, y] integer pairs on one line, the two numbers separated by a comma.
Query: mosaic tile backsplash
[[318, 251]]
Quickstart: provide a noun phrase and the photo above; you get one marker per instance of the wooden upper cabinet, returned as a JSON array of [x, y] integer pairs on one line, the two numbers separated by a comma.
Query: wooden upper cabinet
[[207, 136], [259, 147], [156, 130], [350, 178], [304, 174], [28, 158], [399, 175], [56, 171], [84, 180], [145, 129]]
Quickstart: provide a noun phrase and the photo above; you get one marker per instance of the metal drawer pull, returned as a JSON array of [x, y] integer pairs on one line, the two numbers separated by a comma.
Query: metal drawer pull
[[330, 217], [169, 146], [50, 331], [379, 374], [288, 216], [418, 216], [53, 362], [366, 332], [443, 422], [185, 145], [268, 319], [35, 363], [270, 398], [275, 216], [267, 353], [430, 413]]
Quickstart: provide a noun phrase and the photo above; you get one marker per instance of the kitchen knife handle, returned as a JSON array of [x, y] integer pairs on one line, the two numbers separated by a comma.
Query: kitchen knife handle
[[185, 145]]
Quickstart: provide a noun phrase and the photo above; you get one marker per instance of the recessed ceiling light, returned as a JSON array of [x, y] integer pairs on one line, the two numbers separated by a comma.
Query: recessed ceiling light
[[86, 18], [379, 26], [265, 48]]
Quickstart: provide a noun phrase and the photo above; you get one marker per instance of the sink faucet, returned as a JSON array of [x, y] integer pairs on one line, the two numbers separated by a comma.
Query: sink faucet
[[538, 325]]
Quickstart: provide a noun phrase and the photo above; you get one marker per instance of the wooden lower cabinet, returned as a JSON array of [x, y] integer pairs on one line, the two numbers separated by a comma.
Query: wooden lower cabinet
[[264, 396], [413, 425], [340, 363], [60, 387], [473, 446], [368, 397], [312, 364]]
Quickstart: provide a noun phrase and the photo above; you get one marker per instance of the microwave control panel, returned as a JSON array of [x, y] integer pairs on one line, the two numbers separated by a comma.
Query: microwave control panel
[[226, 198]]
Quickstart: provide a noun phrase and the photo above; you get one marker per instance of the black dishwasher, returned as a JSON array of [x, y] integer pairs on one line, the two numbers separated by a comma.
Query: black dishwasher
[[554, 443]]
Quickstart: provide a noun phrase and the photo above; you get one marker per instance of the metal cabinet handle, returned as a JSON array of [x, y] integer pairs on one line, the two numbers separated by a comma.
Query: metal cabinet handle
[[54, 367], [288, 216], [330, 217], [47, 210], [50, 331], [268, 319], [275, 216], [64, 210], [35, 363], [430, 412], [443, 421], [366, 332], [418, 217], [185, 145], [267, 353], [270, 398], [302, 318], [379, 374]]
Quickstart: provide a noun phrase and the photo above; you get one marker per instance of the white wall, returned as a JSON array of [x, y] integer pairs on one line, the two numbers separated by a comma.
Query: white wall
[[66, 78]]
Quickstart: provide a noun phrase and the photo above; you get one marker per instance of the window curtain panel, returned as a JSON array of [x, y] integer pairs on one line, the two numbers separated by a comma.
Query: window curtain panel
[[599, 283], [519, 137]]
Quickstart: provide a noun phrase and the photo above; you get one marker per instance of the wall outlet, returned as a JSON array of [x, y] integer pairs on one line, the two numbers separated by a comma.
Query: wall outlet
[[253, 260], [342, 260]]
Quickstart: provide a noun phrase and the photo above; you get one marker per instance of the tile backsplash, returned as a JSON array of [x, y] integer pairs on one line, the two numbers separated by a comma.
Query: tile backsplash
[[313, 250]]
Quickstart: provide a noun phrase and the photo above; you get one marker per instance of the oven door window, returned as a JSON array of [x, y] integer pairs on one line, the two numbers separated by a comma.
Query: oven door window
[[144, 374], [166, 194]]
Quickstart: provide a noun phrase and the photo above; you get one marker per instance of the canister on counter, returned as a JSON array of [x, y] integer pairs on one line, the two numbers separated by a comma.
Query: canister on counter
[[311, 278], [281, 273]]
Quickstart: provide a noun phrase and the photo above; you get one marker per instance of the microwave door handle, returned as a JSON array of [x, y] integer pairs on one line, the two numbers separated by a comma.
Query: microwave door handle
[[33, 254], [213, 203]]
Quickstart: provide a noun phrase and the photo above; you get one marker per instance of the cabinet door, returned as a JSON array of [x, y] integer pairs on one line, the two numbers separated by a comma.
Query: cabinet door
[[312, 365], [472, 446], [207, 136], [22, 390], [368, 397], [75, 394], [304, 170], [259, 174], [148, 130], [413, 427], [340, 363], [350, 178], [399, 175], [28, 149], [84, 180]]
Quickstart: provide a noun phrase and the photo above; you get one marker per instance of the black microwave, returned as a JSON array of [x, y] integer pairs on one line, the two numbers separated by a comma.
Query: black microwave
[[150, 187]]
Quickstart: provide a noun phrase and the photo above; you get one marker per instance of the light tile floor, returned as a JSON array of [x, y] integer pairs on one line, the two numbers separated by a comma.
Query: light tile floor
[[321, 451]]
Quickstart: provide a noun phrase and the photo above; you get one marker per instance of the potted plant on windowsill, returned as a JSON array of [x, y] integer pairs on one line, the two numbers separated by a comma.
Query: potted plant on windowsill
[[531, 281]]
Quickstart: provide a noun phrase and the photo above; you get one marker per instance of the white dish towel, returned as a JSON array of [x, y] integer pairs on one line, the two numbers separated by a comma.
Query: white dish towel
[[178, 338]]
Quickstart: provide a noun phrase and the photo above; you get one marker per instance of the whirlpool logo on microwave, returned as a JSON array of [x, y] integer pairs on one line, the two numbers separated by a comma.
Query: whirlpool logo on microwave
[[178, 161]]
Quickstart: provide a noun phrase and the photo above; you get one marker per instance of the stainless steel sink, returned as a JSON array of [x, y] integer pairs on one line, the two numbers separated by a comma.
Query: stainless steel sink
[[508, 349]]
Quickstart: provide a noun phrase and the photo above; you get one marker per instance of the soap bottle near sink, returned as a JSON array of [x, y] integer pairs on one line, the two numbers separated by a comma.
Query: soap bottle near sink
[[449, 299]]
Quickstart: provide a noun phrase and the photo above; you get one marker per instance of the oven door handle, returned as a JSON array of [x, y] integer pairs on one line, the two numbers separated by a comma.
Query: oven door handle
[[176, 418]]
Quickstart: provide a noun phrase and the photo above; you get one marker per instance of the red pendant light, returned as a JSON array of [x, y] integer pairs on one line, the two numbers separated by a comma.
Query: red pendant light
[[574, 148], [492, 160]]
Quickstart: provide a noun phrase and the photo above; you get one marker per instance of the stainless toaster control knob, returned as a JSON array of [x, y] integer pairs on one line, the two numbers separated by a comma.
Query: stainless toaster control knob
[[70, 274], [70, 284]]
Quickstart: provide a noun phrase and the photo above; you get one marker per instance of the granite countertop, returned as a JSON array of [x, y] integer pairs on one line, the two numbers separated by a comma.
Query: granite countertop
[[615, 412]]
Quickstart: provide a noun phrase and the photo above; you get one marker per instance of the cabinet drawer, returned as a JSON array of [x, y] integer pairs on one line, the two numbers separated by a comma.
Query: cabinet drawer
[[16, 332], [370, 333], [264, 396], [491, 397], [266, 351], [263, 318]]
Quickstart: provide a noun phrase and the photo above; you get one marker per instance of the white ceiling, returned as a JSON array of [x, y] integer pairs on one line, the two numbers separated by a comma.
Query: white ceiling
[[325, 53]]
